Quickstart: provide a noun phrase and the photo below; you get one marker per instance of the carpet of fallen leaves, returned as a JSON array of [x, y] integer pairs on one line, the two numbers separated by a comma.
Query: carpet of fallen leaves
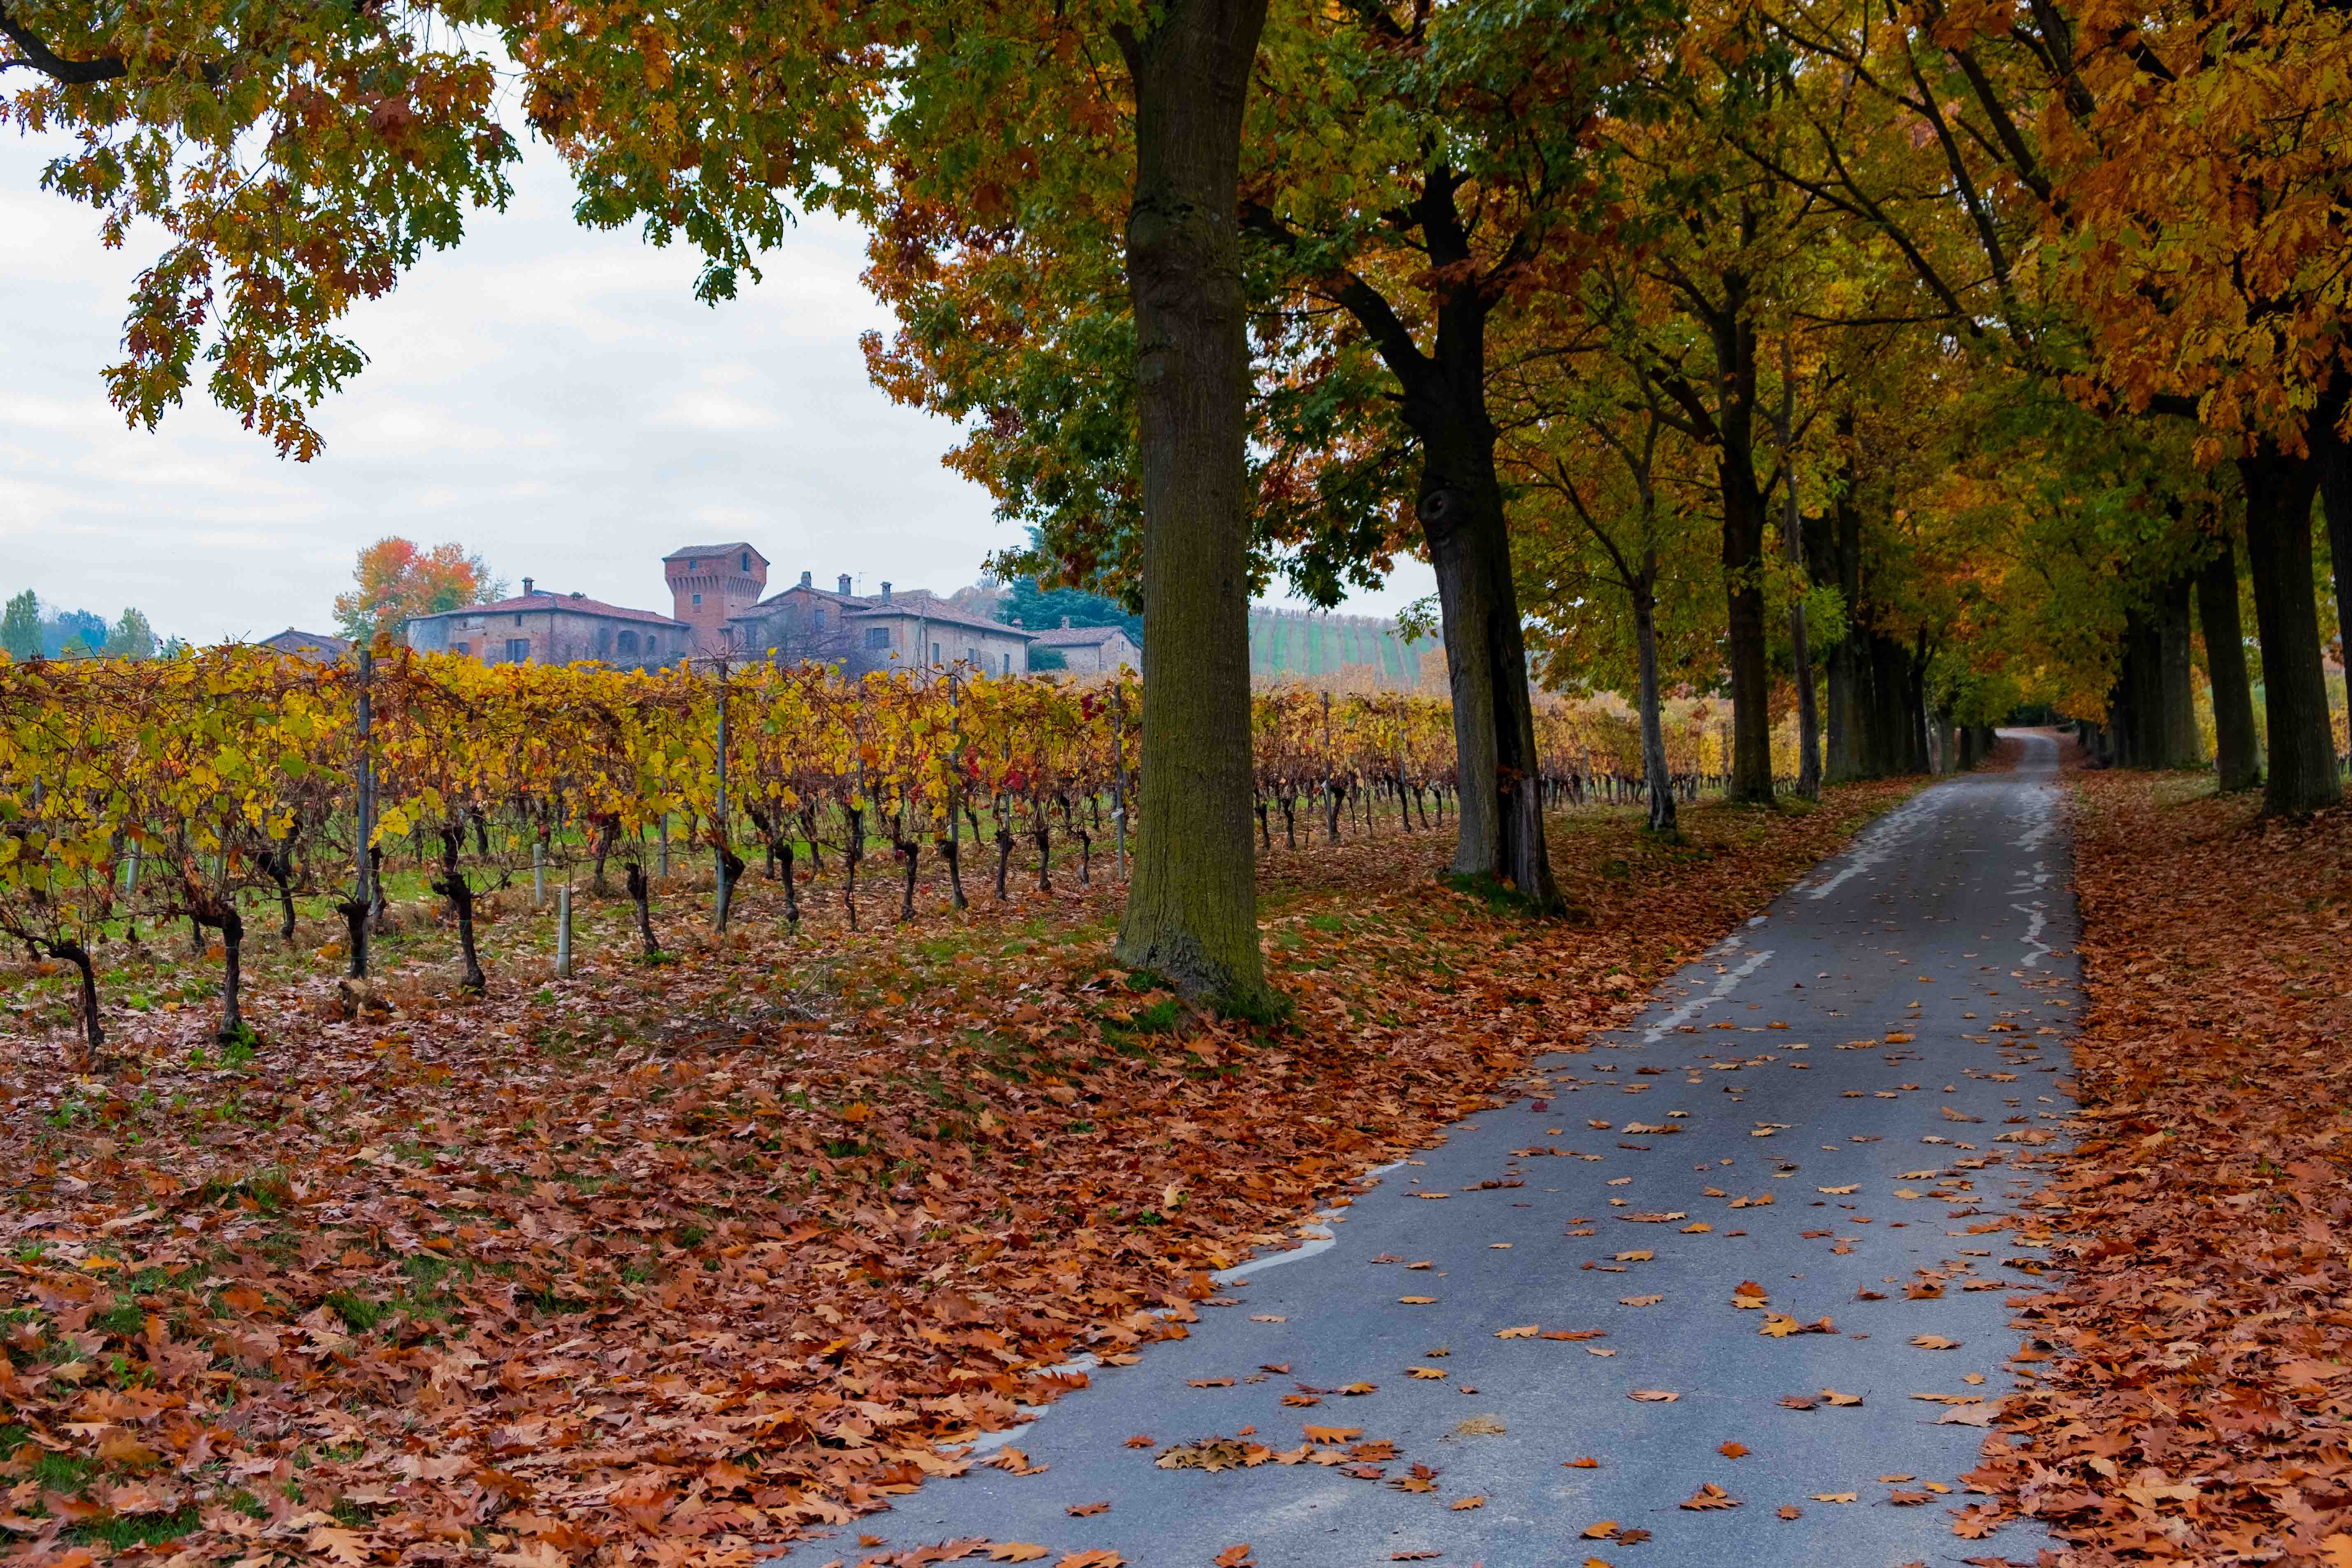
[[663, 1262], [2195, 1380]]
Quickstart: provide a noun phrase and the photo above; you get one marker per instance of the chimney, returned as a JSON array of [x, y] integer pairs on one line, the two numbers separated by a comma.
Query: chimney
[[1065, 622], [844, 584], [886, 590], [805, 577], [526, 587]]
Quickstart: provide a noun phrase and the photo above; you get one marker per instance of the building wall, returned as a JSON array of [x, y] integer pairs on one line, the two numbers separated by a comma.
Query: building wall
[[705, 590], [1111, 653], [915, 638], [550, 636]]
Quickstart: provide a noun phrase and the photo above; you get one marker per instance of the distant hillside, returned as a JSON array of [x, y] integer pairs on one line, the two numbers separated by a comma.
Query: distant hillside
[[1343, 651]]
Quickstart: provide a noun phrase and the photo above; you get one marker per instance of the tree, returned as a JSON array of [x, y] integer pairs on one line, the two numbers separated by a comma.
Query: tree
[[73, 634], [2142, 207], [981, 117], [1039, 608], [20, 626], [132, 637], [295, 160], [396, 581]]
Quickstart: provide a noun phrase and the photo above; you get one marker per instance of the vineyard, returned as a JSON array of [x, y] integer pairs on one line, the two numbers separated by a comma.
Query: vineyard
[[211, 788]]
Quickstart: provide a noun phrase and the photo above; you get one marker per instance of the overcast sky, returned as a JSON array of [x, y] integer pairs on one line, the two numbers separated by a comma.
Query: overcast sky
[[551, 397]]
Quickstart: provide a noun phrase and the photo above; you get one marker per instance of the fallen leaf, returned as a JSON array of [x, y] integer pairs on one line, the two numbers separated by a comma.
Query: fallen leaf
[[1789, 1510], [1835, 1497], [1233, 1557], [1654, 1395], [1731, 1450], [1086, 1510], [1710, 1495], [1459, 1504]]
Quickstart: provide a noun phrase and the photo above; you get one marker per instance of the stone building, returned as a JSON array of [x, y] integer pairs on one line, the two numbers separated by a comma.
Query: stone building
[[711, 583], [883, 631], [540, 627], [1093, 650]]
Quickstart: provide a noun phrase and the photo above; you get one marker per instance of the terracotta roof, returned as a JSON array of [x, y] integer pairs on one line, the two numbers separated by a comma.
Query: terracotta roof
[[693, 550], [575, 604], [293, 641], [920, 604], [1079, 636]]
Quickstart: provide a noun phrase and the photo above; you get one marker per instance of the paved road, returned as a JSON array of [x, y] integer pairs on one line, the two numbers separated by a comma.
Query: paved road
[[1939, 943]]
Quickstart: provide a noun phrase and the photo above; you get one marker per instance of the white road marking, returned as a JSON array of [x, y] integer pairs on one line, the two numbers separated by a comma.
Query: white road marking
[[1723, 987]]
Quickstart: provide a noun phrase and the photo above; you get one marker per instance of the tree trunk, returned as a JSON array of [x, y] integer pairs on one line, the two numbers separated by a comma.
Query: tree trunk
[[1885, 752], [641, 895], [2336, 498], [232, 930], [2238, 759], [1191, 910], [93, 1028], [2279, 491], [453, 886], [1653, 730], [2176, 725], [1743, 550], [1847, 675]]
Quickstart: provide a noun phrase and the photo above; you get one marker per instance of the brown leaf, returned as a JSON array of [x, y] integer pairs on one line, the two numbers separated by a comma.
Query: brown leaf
[[1710, 1495], [1083, 1510]]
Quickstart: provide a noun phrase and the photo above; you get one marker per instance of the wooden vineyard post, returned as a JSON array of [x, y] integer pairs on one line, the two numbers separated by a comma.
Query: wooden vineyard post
[[718, 809], [358, 914]]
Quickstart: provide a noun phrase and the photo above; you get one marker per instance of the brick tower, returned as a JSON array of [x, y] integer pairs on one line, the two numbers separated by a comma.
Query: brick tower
[[709, 582]]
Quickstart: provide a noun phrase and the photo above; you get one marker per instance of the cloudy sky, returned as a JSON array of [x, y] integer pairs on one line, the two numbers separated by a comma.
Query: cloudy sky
[[551, 397]]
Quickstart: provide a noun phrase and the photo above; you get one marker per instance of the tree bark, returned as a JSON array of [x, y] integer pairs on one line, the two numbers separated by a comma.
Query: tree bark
[[2335, 499], [2176, 726], [93, 1027], [2279, 491], [1836, 554], [232, 930], [641, 895], [1653, 731], [1191, 910], [453, 886], [1743, 549], [2238, 758]]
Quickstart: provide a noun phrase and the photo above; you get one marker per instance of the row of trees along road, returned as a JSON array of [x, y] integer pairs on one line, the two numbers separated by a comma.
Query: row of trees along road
[[1957, 348]]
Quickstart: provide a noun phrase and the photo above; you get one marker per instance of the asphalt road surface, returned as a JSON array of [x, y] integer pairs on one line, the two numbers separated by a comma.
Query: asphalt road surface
[[1874, 1056]]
